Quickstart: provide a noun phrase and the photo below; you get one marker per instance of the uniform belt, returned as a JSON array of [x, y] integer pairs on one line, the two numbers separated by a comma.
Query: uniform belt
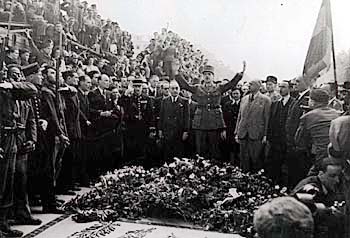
[[210, 106]]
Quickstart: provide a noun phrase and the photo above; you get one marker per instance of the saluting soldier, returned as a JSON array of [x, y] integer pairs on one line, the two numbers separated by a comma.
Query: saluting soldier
[[9, 93], [26, 140], [139, 121], [208, 121]]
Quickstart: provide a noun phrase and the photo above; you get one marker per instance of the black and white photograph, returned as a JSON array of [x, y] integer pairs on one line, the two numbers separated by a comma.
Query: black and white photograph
[[174, 119]]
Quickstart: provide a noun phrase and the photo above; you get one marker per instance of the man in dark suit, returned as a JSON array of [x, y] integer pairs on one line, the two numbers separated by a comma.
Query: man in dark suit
[[71, 159], [275, 164], [105, 119], [84, 87], [230, 110], [174, 122], [297, 160]]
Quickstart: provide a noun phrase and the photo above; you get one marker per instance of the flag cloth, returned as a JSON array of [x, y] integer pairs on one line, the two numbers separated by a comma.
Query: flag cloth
[[318, 67]]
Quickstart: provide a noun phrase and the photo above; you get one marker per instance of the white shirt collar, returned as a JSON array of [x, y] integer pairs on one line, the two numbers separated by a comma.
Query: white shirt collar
[[285, 99]]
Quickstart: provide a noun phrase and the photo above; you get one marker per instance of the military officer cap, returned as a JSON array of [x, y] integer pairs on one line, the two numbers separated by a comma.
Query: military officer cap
[[319, 95], [271, 79], [137, 82], [30, 69], [208, 68]]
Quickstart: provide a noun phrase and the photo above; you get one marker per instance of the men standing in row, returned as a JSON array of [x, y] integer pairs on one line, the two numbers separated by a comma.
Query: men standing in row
[[252, 125], [174, 122], [276, 161]]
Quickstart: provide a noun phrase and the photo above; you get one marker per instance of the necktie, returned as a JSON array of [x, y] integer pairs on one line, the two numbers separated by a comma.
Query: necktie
[[251, 98]]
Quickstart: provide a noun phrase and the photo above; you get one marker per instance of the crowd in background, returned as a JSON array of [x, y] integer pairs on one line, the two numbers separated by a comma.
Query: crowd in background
[[76, 102]]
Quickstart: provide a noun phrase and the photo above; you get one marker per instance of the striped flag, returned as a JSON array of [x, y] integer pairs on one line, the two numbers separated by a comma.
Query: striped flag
[[318, 66]]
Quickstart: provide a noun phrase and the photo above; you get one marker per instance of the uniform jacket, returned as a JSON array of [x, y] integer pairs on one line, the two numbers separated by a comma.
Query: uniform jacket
[[295, 112], [139, 111], [313, 131], [20, 91], [274, 130], [174, 117], [56, 119], [84, 111], [208, 114], [253, 117], [27, 120]]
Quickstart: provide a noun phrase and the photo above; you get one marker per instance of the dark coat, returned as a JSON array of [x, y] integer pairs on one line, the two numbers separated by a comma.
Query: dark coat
[[231, 111], [274, 131], [295, 112], [98, 103], [84, 112], [72, 115], [208, 114], [174, 117]]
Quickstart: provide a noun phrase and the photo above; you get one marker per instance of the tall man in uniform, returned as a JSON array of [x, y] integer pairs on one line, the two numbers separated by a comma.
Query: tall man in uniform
[[208, 121], [9, 93], [252, 125], [26, 140], [56, 139], [174, 122]]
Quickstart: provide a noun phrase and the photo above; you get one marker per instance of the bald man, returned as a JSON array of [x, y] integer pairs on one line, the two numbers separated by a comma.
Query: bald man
[[252, 125], [174, 122]]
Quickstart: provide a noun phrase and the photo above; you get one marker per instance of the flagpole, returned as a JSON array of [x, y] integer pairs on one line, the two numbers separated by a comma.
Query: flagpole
[[333, 54], [10, 22]]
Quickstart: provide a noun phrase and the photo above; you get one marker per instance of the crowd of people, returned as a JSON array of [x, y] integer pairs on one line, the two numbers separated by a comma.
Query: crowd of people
[[77, 103]]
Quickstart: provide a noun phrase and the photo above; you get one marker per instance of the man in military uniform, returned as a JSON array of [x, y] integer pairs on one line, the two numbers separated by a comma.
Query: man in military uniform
[[9, 93], [313, 131], [208, 121], [26, 140], [139, 122], [56, 139], [174, 123]]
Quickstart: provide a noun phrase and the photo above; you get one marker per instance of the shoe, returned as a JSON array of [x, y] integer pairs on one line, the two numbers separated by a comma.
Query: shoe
[[8, 232], [53, 210], [26, 221]]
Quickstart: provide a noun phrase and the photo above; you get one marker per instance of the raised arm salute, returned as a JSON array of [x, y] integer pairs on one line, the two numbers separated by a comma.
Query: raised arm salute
[[208, 121]]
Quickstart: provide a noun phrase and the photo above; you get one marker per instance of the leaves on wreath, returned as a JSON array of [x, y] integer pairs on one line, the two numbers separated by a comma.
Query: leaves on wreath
[[217, 197], [95, 231]]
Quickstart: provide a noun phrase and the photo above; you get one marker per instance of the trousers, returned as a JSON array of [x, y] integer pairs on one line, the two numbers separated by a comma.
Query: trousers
[[207, 144], [251, 159]]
